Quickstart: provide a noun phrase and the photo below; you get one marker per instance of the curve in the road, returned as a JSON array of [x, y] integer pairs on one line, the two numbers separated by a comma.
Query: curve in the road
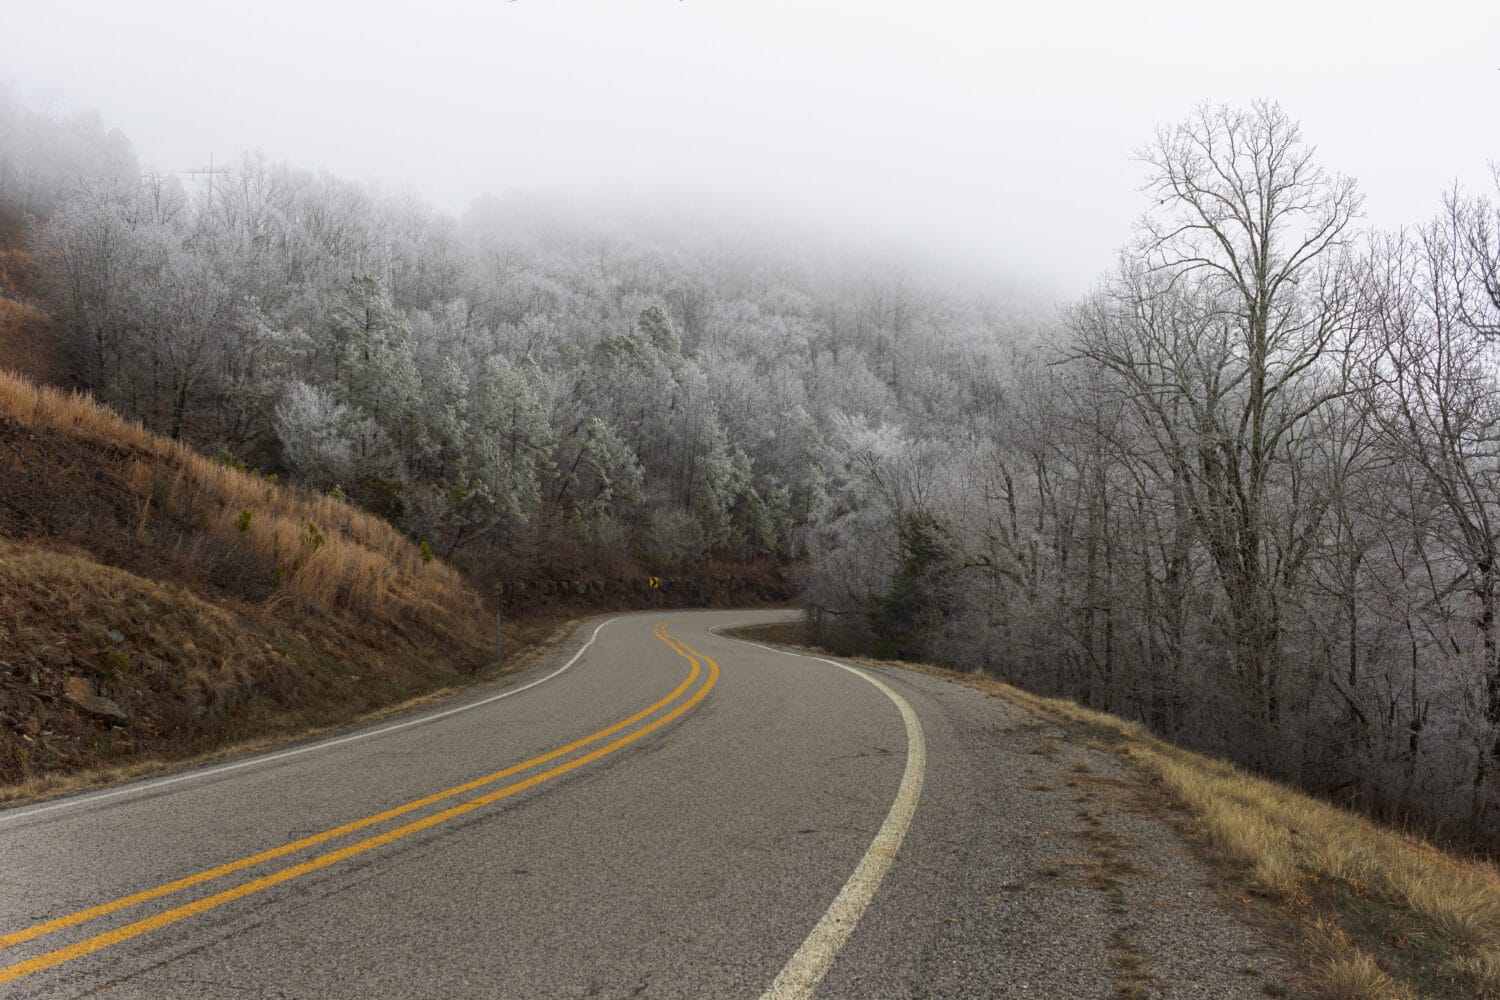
[[802, 974], [146, 925], [140, 787]]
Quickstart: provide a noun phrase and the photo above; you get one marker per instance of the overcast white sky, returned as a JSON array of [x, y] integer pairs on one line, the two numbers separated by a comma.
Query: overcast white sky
[[1000, 132]]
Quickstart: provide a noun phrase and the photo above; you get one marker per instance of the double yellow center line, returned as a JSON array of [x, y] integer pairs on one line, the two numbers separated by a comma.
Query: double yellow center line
[[171, 916]]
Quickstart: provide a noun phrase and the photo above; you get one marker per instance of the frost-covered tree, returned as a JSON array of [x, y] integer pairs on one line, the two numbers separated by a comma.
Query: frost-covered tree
[[310, 426], [374, 367]]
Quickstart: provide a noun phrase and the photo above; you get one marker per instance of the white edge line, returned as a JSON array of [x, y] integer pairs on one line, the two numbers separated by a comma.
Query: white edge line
[[802, 973], [89, 798]]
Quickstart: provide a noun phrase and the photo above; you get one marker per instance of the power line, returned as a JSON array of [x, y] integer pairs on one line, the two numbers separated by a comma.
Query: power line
[[208, 171]]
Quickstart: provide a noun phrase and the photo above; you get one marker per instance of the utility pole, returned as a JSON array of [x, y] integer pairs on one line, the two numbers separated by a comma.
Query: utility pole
[[208, 172]]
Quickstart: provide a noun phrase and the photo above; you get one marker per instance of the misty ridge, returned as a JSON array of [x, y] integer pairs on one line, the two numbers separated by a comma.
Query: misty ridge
[[1247, 491]]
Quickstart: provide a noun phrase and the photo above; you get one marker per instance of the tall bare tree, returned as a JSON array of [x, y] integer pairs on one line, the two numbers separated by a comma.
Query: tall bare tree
[[1230, 323]]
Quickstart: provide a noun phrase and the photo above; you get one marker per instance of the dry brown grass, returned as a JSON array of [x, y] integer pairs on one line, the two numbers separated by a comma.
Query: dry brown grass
[[321, 551], [13, 313], [1360, 894], [23, 345], [527, 642], [246, 608], [1353, 976], [180, 663]]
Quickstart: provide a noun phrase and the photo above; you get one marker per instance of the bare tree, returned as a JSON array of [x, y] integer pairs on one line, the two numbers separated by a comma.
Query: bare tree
[[1230, 323], [1472, 233], [1437, 401]]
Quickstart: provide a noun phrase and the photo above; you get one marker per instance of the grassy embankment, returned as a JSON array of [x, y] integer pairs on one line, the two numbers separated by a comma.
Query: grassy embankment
[[157, 605], [23, 340], [1378, 914]]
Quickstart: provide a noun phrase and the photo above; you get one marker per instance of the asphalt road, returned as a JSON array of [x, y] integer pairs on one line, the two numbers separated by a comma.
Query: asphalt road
[[674, 814]]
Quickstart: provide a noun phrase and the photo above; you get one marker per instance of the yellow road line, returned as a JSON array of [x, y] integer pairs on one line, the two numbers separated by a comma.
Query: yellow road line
[[320, 746], [145, 925], [168, 917], [187, 882]]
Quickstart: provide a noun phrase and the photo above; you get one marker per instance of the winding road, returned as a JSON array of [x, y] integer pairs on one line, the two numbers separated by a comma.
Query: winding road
[[661, 811]]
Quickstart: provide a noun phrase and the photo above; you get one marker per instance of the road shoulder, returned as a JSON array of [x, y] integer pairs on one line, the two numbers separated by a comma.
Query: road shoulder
[[1063, 864]]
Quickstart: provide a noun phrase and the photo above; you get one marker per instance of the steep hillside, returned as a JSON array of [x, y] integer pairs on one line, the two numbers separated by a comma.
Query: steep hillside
[[24, 344], [154, 601]]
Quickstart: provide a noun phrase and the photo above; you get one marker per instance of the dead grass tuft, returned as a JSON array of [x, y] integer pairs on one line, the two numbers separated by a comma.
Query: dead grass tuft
[[1354, 975]]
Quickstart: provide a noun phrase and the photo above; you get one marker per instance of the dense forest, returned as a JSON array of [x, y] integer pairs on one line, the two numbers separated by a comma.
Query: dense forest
[[1247, 491]]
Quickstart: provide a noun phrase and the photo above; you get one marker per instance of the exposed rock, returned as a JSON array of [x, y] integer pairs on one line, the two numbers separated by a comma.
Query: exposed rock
[[104, 708], [81, 693]]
